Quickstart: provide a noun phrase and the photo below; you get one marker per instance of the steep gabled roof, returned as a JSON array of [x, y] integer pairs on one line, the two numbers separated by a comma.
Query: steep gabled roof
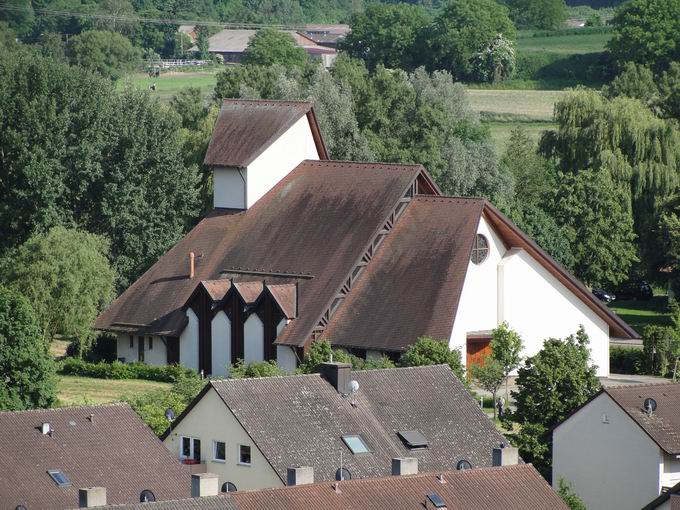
[[313, 226], [245, 128], [107, 446], [510, 488], [299, 420]]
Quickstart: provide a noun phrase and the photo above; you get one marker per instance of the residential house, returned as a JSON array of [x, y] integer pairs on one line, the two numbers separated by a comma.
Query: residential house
[[250, 431], [517, 487], [48, 455], [326, 35], [621, 449], [367, 255], [669, 500]]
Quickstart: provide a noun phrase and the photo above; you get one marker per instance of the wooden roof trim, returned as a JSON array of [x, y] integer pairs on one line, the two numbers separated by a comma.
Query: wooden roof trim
[[316, 134], [507, 230]]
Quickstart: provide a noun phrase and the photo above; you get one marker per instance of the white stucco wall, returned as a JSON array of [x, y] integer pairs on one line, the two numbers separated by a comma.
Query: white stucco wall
[[211, 420], [123, 349], [221, 344], [512, 286], [188, 342], [154, 356], [538, 306], [671, 471], [158, 354], [285, 358], [282, 156], [613, 466], [229, 188], [253, 339]]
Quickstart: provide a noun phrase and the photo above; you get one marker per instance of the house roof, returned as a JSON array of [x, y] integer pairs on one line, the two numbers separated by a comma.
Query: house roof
[[419, 270], [673, 494], [313, 226], [663, 426], [221, 502], [511, 488], [245, 128], [107, 446], [300, 420], [236, 41]]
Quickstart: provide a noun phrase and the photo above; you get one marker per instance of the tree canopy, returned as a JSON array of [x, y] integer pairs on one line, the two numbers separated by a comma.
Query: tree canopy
[[543, 14], [428, 351], [26, 366], [270, 46], [107, 53]]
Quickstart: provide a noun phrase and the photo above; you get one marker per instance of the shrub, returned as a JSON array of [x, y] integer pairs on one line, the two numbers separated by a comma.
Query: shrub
[[624, 360], [657, 348], [118, 370], [254, 369], [582, 68], [428, 351]]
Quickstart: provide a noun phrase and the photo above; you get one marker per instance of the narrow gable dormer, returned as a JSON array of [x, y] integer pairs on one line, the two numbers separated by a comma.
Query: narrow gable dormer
[[257, 143]]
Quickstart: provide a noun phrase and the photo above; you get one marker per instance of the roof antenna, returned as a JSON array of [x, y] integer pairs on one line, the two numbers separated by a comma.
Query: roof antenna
[[440, 477], [331, 356]]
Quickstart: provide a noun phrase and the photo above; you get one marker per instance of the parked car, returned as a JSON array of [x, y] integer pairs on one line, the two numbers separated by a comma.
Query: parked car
[[640, 290], [604, 296]]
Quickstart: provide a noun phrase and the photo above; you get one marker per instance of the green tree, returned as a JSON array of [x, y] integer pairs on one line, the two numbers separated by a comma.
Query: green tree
[[188, 103], [428, 351], [658, 346], [635, 80], [461, 29], [389, 34], [108, 53], [26, 366], [20, 16], [8, 37], [270, 46], [555, 381], [495, 62], [248, 81], [535, 444], [543, 14], [569, 496], [647, 32], [66, 276], [489, 376], [321, 352], [530, 171], [506, 349], [599, 228], [202, 42], [241, 370]]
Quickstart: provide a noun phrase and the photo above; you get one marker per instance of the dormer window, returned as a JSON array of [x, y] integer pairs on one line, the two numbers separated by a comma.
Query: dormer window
[[355, 444], [480, 251], [59, 477]]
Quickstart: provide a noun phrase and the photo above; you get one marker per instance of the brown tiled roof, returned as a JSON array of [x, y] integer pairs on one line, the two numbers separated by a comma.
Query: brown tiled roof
[[114, 449], [299, 420], [286, 297], [249, 291], [663, 426], [509, 488], [245, 128], [217, 289], [316, 222], [221, 502], [412, 286]]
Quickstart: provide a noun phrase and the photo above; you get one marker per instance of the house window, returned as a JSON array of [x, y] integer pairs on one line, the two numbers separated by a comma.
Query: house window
[[190, 448], [480, 251], [219, 451], [355, 444], [150, 342], [59, 477], [140, 349], [228, 487], [244, 455], [132, 342]]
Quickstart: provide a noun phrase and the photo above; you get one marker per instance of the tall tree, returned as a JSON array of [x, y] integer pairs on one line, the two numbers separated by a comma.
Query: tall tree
[[26, 366], [506, 349], [271, 46], [428, 351], [108, 53], [489, 376], [66, 276], [543, 14], [461, 29], [392, 35]]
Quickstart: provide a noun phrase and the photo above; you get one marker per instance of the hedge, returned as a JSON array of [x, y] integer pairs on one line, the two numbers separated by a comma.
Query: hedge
[[118, 370], [624, 360], [582, 68]]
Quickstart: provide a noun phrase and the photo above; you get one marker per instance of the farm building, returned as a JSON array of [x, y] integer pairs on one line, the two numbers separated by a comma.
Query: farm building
[[367, 255]]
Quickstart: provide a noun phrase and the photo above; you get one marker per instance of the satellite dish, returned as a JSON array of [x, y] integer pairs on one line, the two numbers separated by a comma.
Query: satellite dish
[[170, 414], [343, 474], [20, 507], [650, 405], [147, 496], [354, 386], [462, 465]]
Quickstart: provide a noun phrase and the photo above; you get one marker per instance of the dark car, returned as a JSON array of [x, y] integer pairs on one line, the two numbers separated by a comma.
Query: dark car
[[604, 296], [635, 290]]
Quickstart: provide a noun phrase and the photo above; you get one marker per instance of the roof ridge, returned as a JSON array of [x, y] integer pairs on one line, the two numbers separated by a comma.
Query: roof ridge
[[242, 380], [279, 102], [68, 408], [447, 198], [646, 385], [363, 163]]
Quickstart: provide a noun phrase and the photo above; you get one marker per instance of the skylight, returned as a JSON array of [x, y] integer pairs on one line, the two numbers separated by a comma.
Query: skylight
[[355, 444], [413, 439], [59, 478]]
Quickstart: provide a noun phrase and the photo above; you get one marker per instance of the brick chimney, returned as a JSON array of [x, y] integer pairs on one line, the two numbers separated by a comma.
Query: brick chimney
[[504, 456], [300, 475], [204, 484], [404, 466], [90, 497], [338, 374]]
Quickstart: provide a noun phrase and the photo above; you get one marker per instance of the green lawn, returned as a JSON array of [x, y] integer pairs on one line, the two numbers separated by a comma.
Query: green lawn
[[168, 84], [639, 314], [500, 131], [72, 390], [525, 104], [566, 44]]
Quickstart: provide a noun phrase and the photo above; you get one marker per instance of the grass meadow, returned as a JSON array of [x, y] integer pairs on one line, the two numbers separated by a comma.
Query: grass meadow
[[168, 84], [565, 44], [73, 390]]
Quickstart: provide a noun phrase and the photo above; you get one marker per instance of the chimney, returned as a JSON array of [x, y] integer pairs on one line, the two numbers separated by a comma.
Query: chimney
[[404, 466], [90, 497], [204, 484], [300, 475], [338, 374], [46, 429], [505, 456], [192, 264]]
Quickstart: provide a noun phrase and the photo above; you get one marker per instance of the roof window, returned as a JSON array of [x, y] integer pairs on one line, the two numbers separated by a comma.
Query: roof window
[[59, 478], [412, 439], [355, 444]]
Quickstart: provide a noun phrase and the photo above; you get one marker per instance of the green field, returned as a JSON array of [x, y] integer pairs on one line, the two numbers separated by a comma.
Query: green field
[[72, 390], [566, 44], [168, 84], [639, 314], [500, 132]]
